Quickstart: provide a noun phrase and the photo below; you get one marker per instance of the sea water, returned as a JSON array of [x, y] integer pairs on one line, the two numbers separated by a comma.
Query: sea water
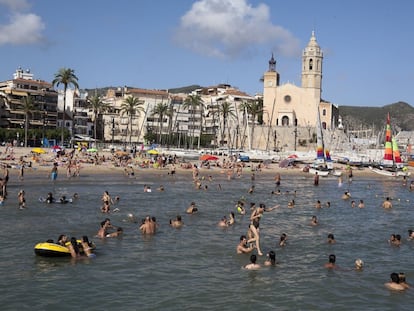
[[196, 267]]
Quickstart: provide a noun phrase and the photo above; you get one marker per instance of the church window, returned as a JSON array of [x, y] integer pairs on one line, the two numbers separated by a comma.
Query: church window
[[285, 121], [311, 64], [287, 98], [324, 112]]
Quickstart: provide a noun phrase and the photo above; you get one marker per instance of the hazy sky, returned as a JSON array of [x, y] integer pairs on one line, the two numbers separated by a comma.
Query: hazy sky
[[161, 44]]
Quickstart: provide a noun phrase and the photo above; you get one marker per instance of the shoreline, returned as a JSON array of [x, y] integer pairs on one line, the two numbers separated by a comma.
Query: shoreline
[[108, 167]]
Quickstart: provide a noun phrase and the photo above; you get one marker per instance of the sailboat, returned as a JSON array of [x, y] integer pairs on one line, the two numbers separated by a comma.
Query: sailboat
[[323, 163], [391, 165]]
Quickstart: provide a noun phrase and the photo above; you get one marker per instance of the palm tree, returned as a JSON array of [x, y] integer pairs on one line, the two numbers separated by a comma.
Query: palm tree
[[131, 106], [254, 110], [192, 102], [170, 115], [67, 77], [98, 107], [226, 110], [161, 110], [28, 106]]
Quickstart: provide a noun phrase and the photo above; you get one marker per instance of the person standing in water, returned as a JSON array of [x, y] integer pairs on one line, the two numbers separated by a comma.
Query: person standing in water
[[54, 172]]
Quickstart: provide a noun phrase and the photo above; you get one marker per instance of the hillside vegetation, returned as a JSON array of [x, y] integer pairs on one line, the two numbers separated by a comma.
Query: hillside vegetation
[[356, 118]]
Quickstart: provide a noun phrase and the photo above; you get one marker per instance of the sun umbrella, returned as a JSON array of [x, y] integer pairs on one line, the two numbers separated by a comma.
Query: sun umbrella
[[92, 150], [56, 148], [152, 151], [38, 150], [208, 157]]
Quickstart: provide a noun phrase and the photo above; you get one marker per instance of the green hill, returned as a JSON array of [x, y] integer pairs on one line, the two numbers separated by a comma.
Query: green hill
[[357, 118]]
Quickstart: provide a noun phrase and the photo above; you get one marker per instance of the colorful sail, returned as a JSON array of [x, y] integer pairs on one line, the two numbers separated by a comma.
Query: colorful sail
[[320, 155], [327, 155], [388, 155], [396, 152]]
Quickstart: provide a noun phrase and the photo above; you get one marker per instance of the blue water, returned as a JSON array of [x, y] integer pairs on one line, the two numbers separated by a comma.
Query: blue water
[[196, 267]]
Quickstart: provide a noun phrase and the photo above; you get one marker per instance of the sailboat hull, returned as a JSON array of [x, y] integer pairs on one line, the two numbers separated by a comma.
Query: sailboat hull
[[315, 171], [390, 173]]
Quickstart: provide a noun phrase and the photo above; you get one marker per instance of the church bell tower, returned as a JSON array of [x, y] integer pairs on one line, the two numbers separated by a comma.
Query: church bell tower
[[312, 58]]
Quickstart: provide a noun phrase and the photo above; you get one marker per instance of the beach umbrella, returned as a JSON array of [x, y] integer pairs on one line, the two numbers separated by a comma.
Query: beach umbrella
[[38, 150], [152, 151], [56, 148], [92, 150], [208, 157]]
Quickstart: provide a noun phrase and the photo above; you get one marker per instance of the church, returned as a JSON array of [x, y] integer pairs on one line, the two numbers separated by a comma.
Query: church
[[289, 105]]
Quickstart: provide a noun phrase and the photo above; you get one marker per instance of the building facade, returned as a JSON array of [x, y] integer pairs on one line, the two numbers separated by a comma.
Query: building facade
[[44, 113]]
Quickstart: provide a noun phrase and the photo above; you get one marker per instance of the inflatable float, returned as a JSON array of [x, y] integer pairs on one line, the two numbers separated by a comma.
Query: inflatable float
[[50, 249]]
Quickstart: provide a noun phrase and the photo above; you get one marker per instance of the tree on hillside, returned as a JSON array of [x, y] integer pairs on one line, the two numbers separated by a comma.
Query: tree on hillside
[[66, 77]]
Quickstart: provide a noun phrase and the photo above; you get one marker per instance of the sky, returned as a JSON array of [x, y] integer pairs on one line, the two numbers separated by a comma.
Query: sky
[[161, 44]]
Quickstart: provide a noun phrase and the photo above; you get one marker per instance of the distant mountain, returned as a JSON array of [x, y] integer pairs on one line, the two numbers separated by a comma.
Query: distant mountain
[[358, 118]]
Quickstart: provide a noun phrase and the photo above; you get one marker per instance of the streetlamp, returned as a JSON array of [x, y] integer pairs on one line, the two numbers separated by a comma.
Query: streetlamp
[[44, 125], [113, 130]]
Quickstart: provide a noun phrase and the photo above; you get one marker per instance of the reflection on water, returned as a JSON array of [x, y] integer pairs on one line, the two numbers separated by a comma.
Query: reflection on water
[[196, 267]]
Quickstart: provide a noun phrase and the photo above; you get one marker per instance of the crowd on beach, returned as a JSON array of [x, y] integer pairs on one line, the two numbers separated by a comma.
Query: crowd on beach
[[249, 242]]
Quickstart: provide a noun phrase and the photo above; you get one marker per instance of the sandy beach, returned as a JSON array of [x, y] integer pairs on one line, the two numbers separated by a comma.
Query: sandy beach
[[41, 164]]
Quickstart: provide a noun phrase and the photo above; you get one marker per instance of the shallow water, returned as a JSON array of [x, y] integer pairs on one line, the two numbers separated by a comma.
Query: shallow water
[[196, 267]]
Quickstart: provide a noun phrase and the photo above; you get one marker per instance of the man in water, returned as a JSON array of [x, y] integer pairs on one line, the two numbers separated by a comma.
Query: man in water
[[331, 263], [242, 247], [394, 284], [387, 203], [252, 265]]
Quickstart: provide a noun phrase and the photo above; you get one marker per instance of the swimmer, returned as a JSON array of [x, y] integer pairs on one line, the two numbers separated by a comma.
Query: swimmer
[[240, 208], [394, 283], [331, 264], [192, 208], [359, 264], [231, 220], [270, 259], [318, 204], [361, 204], [346, 195], [314, 221], [252, 265], [160, 188], [331, 239], [387, 203], [177, 222], [283, 240], [242, 247], [291, 204], [223, 222], [402, 280], [410, 234]]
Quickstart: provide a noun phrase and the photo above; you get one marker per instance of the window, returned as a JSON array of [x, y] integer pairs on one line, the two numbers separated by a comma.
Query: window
[[324, 112], [310, 64], [285, 121], [287, 99]]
